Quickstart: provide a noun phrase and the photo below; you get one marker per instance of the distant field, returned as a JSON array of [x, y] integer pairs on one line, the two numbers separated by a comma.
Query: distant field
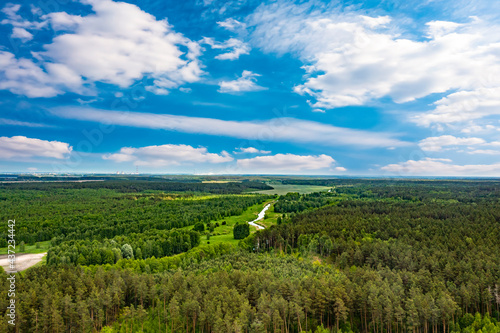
[[302, 189]]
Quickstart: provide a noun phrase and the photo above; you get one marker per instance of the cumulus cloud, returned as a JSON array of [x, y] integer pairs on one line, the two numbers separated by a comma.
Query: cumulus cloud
[[351, 59], [21, 147], [438, 143], [279, 129], [22, 34], [245, 83], [117, 44], [63, 21], [25, 77], [251, 150], [441, 167], [235, 46], [286, 163], [166, 155], [462, 106]]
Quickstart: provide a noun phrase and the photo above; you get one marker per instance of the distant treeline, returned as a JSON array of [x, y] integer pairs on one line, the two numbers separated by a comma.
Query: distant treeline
[[407, 182], [153, 184]]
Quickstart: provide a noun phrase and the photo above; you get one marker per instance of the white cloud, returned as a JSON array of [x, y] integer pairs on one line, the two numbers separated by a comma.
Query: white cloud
[[438, 143], [24, 77], [17, 21], [278, 129], [474, 145], [117, 44], [479, 129], [352, 59], [12, 122], [166, 155], [120, 44], [22, 34], [236, 46], [286, 163], [245, 83], [462, 106], [341, 169], [441, 167], [232, 24], [484, 151], [64, 21], [22, 147], [251, 150]]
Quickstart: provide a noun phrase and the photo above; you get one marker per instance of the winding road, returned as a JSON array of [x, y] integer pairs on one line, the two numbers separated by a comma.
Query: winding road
[[260, 217]]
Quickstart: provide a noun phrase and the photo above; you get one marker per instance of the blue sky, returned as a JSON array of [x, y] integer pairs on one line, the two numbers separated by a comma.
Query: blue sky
[[384, 88]]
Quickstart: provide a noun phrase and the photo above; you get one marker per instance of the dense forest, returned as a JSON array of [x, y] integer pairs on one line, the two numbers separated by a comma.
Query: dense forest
[[70, 214], [412, 256], [152, 243]]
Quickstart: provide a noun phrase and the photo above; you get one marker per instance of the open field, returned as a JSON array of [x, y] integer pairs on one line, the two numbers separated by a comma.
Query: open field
[[23, 261], [302, 189], [42, 247]]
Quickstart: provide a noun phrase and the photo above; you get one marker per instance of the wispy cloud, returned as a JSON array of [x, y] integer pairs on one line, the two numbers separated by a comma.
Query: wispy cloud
[[278, 129], [12, 122], [234, 46], [247, 82], [231, 24]]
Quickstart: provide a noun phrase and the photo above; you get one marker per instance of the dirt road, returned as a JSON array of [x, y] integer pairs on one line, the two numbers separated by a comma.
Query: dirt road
[[23, 261], [260, 217]]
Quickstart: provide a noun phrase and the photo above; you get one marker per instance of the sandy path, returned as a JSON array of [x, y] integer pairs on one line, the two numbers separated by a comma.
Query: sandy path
[[260, 217], [23, 261]]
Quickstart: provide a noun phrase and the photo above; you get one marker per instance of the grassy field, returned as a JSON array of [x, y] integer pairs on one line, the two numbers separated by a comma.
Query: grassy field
[[302, 189], [44, 246], [224, 233], [270, 218]]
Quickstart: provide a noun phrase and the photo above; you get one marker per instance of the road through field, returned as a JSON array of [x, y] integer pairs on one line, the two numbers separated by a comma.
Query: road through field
[[260, 217], [23, 261]]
